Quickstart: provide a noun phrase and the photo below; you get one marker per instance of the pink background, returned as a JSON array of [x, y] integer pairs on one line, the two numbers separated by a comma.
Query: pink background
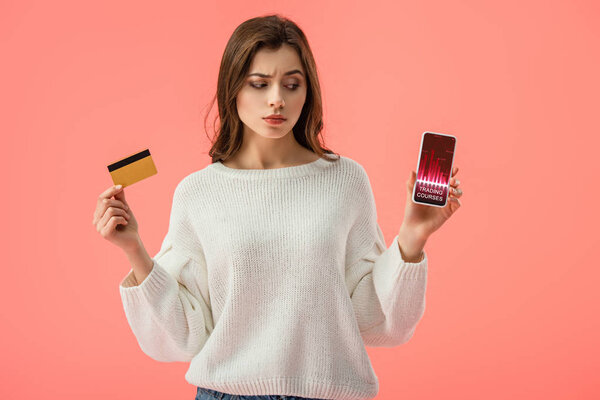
[[512, 299]]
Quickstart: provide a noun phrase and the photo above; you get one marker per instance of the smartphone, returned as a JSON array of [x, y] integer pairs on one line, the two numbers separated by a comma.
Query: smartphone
[[434, 169]]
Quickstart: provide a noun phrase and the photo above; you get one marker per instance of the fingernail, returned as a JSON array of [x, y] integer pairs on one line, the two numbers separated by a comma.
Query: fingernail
[[118, 186], [457, 182]]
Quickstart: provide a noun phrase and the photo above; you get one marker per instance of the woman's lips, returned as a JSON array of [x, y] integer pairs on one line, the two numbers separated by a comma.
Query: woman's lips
[[274, 121]]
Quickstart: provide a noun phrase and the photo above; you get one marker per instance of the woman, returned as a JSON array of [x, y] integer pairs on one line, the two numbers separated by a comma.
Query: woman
[[274, 273]]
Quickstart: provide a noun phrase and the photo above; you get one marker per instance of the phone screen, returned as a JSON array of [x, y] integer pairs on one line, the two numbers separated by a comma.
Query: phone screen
[[434, 169]]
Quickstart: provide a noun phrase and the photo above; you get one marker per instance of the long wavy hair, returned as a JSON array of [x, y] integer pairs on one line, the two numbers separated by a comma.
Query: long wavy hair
[[271, 31]]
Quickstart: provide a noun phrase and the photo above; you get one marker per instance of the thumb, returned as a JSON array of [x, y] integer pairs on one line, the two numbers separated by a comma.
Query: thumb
[[120, 195], [411, 181]]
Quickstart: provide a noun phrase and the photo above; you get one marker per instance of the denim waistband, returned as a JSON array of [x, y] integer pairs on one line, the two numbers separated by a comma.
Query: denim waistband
[[216, 394], [221, 395]]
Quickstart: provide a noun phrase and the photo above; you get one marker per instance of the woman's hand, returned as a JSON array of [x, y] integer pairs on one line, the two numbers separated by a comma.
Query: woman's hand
[[115, 221], [423, 220]]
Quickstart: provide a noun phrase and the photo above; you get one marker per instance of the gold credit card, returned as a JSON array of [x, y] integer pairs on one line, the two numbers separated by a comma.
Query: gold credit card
[[132, 169]]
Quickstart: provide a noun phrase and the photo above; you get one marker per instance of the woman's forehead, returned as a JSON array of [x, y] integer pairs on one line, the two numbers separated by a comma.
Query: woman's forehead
[[283, 61]]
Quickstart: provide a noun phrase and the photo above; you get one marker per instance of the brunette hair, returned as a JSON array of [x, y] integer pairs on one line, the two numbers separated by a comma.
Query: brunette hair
[[271, 31]]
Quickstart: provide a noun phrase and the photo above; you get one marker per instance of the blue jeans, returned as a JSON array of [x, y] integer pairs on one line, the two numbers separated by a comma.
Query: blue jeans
[[209, 394]]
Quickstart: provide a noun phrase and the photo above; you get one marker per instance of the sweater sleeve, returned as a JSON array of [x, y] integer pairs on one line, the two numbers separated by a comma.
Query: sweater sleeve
[[387, 293], [169, 312]]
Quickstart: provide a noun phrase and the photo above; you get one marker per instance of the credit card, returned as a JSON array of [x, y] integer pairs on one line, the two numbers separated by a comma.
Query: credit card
[[132, 169]]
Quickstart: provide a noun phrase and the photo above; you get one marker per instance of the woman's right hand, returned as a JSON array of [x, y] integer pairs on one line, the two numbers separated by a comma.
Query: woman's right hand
[[115, 221]]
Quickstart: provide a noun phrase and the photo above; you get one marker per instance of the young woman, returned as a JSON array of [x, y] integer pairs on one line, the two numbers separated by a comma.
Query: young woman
[[274, 273]]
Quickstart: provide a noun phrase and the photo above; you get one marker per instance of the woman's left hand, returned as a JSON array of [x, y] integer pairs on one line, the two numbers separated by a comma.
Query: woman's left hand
[[424, 220]]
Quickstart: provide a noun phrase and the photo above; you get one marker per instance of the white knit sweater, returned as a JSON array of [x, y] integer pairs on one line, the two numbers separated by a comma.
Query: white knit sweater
[[272, 281]]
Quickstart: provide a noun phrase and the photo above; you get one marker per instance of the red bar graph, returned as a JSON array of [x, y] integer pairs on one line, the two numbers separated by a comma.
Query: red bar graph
[[430, 171]]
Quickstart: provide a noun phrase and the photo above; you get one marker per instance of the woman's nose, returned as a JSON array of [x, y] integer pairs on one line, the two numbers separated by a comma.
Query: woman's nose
[[275, 99], [277, 104]]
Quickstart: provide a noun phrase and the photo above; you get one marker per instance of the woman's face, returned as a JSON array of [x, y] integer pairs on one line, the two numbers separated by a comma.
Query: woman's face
[[275, 84]]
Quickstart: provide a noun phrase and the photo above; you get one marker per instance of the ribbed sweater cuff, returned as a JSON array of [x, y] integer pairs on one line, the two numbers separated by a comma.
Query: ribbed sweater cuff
[[392, 275], [406, 270], [155, 283]]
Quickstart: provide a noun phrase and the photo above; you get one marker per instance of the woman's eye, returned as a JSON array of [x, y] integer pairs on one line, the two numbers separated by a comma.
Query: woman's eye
[[259, 85]]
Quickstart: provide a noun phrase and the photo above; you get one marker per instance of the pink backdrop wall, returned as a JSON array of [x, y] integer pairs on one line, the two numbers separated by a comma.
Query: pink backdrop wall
[[512, 301]]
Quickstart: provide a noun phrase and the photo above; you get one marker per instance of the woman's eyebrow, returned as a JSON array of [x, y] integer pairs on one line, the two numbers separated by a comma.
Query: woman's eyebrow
[[295, 71]]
